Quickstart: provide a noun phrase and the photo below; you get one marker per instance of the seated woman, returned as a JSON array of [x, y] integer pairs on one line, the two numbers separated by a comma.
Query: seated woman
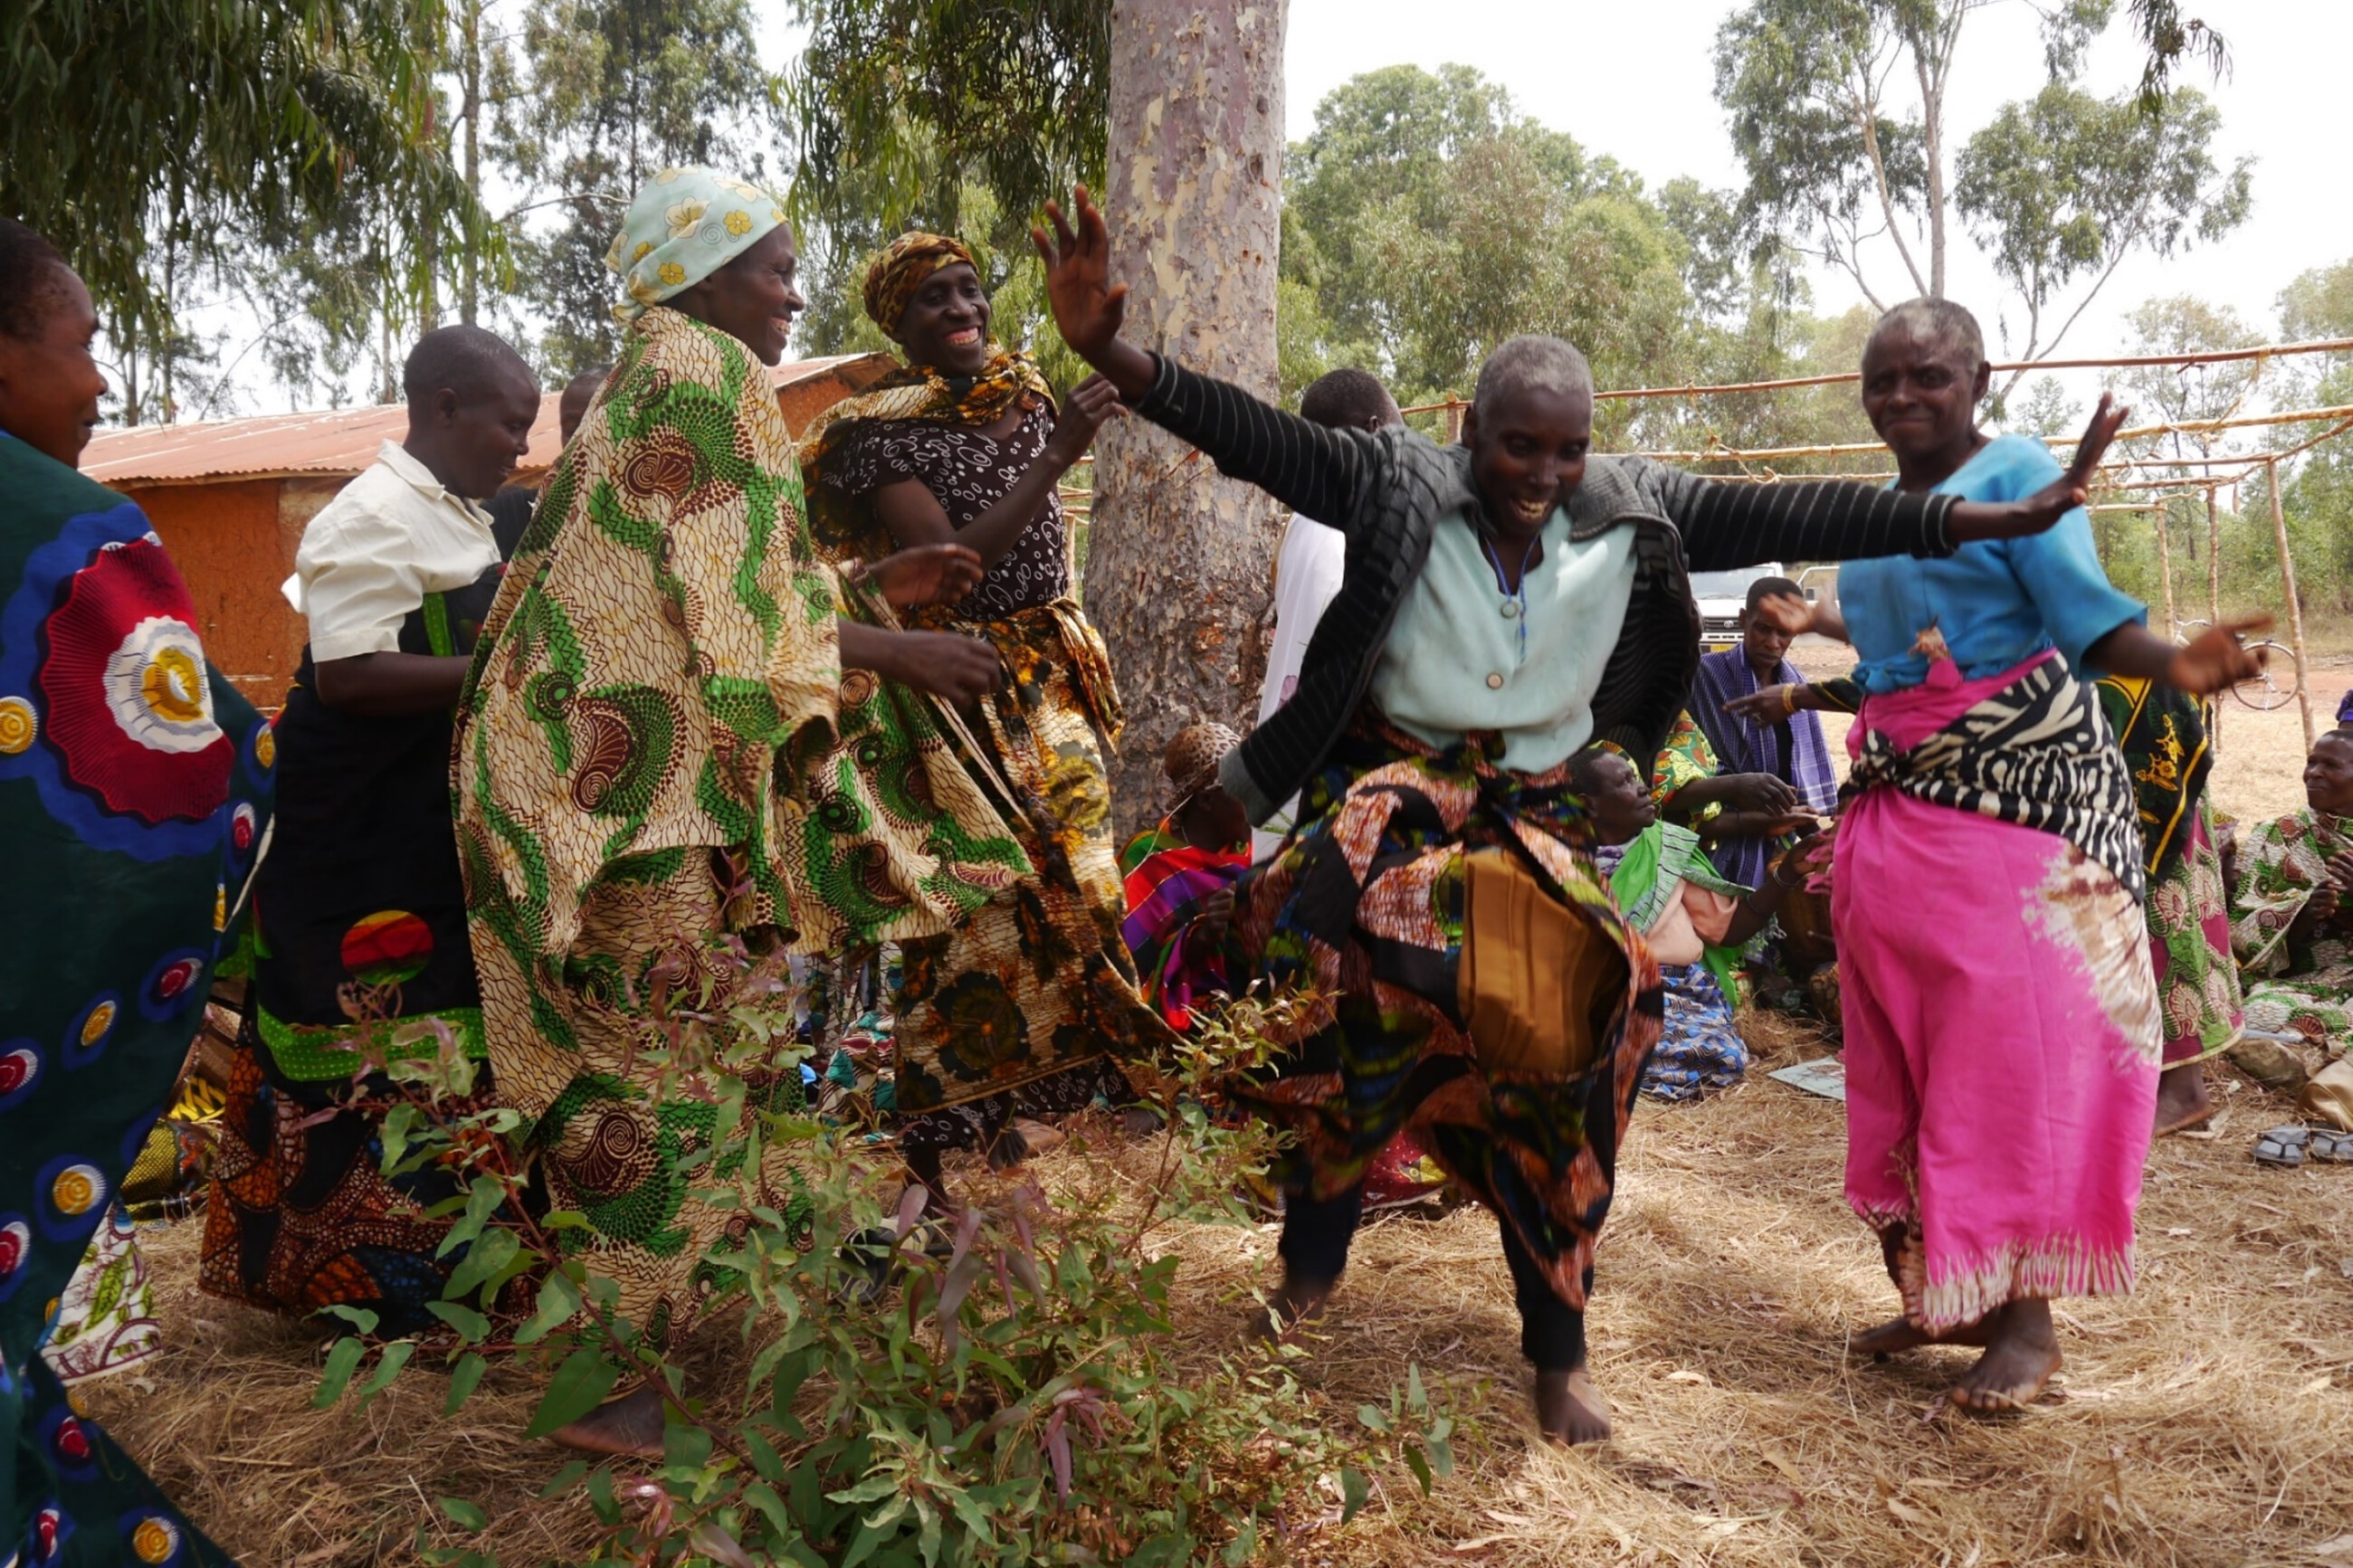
[[1695, 921], [680, 753], [1181, 876], [2292, 918], [1016, 1012], [1505, 604]]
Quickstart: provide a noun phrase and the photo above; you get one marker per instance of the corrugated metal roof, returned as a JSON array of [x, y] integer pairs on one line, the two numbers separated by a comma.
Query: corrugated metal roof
[[342, 441]]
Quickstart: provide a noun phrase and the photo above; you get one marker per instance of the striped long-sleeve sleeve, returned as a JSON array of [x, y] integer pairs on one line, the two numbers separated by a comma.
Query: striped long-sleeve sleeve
[[1316, 471], [1725, 524]]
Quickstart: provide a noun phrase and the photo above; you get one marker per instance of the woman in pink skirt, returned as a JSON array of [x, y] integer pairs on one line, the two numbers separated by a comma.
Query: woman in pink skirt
[[2002, 1025]]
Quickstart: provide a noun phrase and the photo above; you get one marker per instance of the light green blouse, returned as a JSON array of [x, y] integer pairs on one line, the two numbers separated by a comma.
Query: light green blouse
[[1453, 661]]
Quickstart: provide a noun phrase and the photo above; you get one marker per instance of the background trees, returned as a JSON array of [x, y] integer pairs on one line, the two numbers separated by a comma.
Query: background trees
[[153, 142], [1838, 109]]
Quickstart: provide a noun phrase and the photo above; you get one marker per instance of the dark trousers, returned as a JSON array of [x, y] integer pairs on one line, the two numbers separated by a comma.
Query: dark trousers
[[1314, 1246]]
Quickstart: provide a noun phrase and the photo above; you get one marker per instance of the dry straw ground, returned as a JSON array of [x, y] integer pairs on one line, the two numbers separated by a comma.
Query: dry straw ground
[[2204, 1421]]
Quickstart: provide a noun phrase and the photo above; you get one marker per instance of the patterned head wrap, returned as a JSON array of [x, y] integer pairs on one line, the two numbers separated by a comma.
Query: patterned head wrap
[[901, 270], [685, 225], [1192, 758]]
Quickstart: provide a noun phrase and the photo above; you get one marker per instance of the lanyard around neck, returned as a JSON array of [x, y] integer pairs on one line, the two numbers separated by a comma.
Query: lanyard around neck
[[1516, 603]]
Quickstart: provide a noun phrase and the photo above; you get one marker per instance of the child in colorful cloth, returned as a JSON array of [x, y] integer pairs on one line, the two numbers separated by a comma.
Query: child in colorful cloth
[[1696, 922]]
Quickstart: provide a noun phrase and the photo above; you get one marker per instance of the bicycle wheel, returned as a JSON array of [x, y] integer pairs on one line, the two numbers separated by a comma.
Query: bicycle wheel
[[2277, 683]]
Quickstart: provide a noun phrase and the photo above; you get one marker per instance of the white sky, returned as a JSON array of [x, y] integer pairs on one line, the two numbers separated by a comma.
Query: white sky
[[1636, 81]]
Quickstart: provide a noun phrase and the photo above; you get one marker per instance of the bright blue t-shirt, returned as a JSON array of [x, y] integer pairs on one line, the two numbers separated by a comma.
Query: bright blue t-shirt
[[1998, 602]]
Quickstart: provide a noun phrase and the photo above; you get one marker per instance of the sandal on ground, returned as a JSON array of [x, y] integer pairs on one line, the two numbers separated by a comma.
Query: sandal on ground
[[2282, 1146], [2330, 1146]]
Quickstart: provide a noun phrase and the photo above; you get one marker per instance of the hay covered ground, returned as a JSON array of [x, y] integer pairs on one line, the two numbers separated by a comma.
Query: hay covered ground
[[2203, 1421]]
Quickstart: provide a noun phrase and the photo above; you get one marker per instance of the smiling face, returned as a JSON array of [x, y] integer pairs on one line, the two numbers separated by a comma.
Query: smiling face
[[2329, 774], [1921, 391], [752, 297], [49, 384], [1527, 453], [1620, 803], [945, 324]]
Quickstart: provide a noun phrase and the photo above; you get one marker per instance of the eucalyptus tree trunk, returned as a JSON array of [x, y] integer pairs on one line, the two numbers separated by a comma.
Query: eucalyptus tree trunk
[[1180, 559]]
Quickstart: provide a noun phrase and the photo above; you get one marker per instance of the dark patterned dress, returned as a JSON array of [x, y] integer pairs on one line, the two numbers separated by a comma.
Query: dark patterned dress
[[360, 929], [1014, 1012], [134, 788]]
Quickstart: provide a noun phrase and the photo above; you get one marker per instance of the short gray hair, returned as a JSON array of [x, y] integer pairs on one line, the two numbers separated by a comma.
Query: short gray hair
[[1937, 321], [1524, 363]]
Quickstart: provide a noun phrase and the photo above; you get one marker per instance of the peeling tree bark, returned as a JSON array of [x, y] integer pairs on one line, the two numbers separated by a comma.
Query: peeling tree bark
[[1180, 559]]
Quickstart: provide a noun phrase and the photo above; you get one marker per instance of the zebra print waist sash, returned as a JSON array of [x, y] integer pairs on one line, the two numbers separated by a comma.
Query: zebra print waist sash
[[2037, 752]]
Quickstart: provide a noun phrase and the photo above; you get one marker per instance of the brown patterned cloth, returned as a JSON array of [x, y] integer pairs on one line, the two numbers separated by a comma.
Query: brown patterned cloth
[[664, 777]]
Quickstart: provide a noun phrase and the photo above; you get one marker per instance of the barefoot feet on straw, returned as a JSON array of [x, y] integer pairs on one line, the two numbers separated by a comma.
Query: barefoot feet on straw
[[1897, 1335], [2181, 1097], [2022, 1352], [1294, 1301], [630, 1425], [1569, 1409]]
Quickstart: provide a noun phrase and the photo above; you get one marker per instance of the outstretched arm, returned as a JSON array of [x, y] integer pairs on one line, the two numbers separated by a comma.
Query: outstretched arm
[[1317, 472], [1728, 525]]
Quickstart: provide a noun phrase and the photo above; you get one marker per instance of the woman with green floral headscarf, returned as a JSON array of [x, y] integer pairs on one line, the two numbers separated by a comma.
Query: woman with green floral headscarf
[[1014, 1011], [680, 753]]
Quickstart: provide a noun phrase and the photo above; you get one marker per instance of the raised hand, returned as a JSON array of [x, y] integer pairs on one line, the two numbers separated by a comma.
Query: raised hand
[[2032, 514], [1091, 404], [926, 574], [2216, 659], [1089, 308], [1785, 613]]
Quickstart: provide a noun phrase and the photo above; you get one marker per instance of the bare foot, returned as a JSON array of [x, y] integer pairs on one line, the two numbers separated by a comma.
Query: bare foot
[[1569, 1409], [2181, 1097], [2021, 1353], [1038, 1138], [1897, 1335], [630, 1425], [1294, 1301]]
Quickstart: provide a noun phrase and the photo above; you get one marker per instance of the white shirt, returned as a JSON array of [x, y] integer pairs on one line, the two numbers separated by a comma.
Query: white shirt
[[1455, 662], [367, 560], [1307, 576]]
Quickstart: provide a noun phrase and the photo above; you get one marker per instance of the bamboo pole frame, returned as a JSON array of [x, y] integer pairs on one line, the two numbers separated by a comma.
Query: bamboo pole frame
[[2295, 605], [2220, 356], [2165, 564]]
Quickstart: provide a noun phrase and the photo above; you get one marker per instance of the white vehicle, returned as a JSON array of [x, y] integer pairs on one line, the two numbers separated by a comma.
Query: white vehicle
[[1722, 596]]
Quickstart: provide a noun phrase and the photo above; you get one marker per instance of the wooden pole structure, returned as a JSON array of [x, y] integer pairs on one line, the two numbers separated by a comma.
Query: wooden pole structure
[[2294, 607], [2214, 604], [2165, 564]]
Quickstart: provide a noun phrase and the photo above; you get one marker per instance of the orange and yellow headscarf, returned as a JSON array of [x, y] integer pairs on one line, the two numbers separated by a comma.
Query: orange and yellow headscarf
[[902, 268]]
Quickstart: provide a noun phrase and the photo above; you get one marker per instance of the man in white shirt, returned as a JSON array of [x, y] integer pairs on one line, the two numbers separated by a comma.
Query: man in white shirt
[[360, 914], [1308, 569]]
